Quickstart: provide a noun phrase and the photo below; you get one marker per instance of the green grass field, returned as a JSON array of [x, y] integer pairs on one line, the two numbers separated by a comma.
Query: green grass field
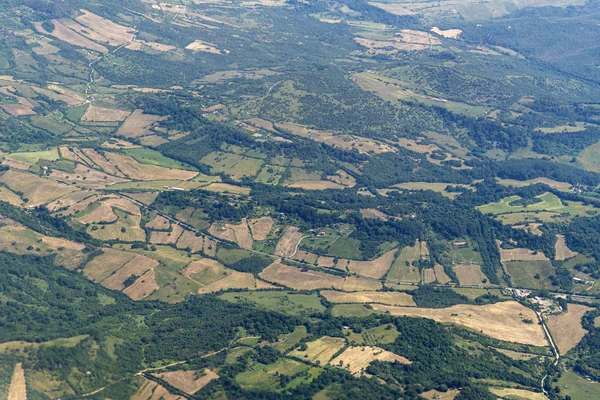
[[400, 271], [345, 247], [153, 157], [549, 202], [262, 377], [74, 114], [52, 123], [289, 341], [523, 273], [351, 310], [232, 164], [579, 388], [285, 302], [383, 334], [35, 156], [270, 174]]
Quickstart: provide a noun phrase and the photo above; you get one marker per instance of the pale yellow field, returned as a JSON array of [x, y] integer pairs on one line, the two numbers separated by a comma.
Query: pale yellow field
[[315, 185], [102, 114], [150, 390], [296, 279], [234, 233], [18, 387], [469, 274], [37, 190], [521, 255], [562, 251], [320, 351], [428, 275], [357, 283], [260, 227], [104, 213], [104, 265], [138, 266], [509, 393], [503, 321], [65, 34], [117, 34], [327, 262], [166, 237], [357, 359], [388, 298], [189, 240], [144, 172], [374, 268], [566, 329], [440, 275], [9, 197], [143, 287], [159, 223]]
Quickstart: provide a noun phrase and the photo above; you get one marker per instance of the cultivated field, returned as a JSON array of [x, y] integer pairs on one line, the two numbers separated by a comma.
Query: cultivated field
[[327, 262], [288, 244], [36, 190], [260, 227], [188, 381], [10, 197], [189, 240], [138, 124], [428, 275], [531, 274], [388, 298], [137, 266], [66, 34], [375, 268], [440, 275], [315, 185], [521, 255], [503, 321], [102, 114], [321, 350], [469, 275], [562, 251], [566, 329], [166, 237], [235, 165], [234, 233], [143, 287], [144, 172], [159, 223], [104, 212], [510, 393], [357, 283], [150, 390], [296, 279], [357, 359]]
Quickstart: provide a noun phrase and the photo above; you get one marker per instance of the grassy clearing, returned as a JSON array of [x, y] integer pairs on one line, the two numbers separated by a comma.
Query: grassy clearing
[[403, 268], [234, 165], [153, 157], [578, 387], [383, 334], [289, 341], [284, 302], [34, 156], [319, 351], [351, 310], [530, 274], [263, 377]]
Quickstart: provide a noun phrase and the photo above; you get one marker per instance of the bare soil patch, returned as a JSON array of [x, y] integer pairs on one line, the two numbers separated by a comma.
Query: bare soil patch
[[374, 268], [566, 329], [357, 359], [188, 381], [503, 321], [85, 177], [288, 243], [296, 279], [388, 298]]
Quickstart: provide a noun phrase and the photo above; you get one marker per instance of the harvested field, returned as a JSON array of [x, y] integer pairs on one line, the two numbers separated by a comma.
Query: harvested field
[[341, 141], [357, 359], [566, 329], [143, 197], [322, 350], [375, 268], [150, 390], [469, 274], [160, 237], [144, 172], [73, 155], [206, 47], [102, 114], [356, 283], [137, 266], [66, 34], [18, 388], [74, 202], [343, 178], [428, 275], [16, 164], [388, 298], [140, 45], [315, 185], [562, 251], [143, 287], [234, 233], [288, 244], [118, 34], [101, 162], [102, 266], [189, 240], [138, 124], [105, 214], [10, 197], [37, 190], [521, 255], [441, 276], [85, 177], [327, 262], [17, 110], [260, 227], [188, 381], [296, 279], [305, 256], [502, 321], [159, 223], [342, 264], [210, 247], [233, 280]]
